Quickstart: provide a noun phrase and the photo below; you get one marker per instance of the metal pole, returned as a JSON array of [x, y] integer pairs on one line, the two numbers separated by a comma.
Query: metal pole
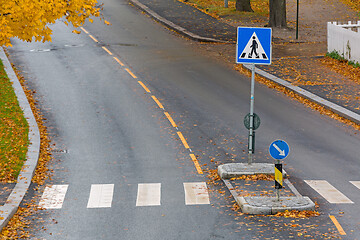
[[251, 130], [297, 19], [277, 190]]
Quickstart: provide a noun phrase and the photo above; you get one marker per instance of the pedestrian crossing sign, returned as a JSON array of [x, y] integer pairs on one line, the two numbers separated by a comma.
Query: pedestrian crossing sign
[[253, 45]]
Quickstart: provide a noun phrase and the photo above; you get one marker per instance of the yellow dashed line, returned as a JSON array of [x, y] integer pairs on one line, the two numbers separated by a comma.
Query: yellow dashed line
[[107, 50], [143, 85], [170, 119], [157, 102], [196, 163], [128, 70], [93, 38], [183, 140], [84, 30], [338, 226], [116, 59]]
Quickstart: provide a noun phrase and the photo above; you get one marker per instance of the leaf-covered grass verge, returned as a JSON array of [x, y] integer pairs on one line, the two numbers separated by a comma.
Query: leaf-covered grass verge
[[337, 56], [20, 223], [354, 4], [216, 8], [14, 131]]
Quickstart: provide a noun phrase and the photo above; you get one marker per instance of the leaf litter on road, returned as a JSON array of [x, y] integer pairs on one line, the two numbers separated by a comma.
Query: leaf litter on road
[[18, 226]]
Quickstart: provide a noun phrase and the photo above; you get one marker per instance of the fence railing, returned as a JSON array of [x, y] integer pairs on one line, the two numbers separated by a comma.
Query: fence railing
[[345, 39]]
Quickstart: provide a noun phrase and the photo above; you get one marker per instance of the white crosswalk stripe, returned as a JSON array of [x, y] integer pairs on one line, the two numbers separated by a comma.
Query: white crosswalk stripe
[[53, 197], [356, 183], [101, 196], [196, 193], [328, 191], [149, 194]]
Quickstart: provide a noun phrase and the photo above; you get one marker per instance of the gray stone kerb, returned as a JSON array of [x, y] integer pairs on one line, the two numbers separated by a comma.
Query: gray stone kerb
[[231, 170], [271, 205], [310, 96], [172, 25], [24, 179]]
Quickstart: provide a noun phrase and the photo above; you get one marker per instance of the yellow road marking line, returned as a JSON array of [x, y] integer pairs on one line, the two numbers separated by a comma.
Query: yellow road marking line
[[170, 119], [183, 140], [107, 50], [128, 70], [157, 102], [337, 224], [196, 163], [143, 85], [116, 59], [84, 30], [93, 38]]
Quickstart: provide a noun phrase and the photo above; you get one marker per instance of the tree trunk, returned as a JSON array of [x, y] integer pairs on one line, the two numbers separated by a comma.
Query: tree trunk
[[243, 5], [277, 16]]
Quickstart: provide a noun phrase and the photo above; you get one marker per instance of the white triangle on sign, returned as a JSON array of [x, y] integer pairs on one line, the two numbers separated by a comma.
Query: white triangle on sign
[[253, 49]]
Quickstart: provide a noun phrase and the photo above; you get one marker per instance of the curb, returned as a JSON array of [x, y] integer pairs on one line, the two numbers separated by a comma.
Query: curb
[[268, 205], [310, 96], [172, 25], [232, 170], [27, 171], [248, 208]]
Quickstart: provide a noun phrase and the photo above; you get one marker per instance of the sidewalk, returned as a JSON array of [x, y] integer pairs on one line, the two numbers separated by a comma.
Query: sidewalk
[[190, 19]]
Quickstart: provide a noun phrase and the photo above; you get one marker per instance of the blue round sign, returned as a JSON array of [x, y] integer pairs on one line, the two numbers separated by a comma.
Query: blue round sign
[[279, 149]]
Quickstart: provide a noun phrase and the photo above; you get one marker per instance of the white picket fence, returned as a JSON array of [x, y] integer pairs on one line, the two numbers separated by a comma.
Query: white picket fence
[[345, 39]]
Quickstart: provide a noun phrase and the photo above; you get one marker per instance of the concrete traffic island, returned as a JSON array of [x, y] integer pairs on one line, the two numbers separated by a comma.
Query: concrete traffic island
[[271, 205], [231, 170], [264, 205]]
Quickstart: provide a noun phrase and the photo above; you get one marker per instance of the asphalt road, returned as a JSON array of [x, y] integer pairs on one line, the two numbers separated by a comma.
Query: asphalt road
[[109, 130]]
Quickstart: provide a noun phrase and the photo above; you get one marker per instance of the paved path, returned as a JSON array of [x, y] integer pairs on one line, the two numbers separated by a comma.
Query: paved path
[[191, 19]]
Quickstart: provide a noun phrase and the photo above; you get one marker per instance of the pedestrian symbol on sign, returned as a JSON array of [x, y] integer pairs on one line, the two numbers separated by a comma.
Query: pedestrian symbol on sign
[[254, 46], [253, 49]]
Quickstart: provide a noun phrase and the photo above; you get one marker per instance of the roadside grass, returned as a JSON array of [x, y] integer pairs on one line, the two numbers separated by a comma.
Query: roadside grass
[[342, 66], [216, 8], [337, 56], [19, 225], [354, 4], [14, 131]]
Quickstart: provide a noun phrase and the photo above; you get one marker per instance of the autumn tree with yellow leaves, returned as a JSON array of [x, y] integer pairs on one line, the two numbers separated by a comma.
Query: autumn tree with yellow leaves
[[29, 20]]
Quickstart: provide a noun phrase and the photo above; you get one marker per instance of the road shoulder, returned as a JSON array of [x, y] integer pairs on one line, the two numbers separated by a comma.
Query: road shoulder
[[24, 179]]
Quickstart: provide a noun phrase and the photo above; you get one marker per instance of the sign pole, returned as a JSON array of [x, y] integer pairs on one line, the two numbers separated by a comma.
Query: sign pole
[[297, 19], [253, 47], [279, 149], [251, 130], [278, 179]]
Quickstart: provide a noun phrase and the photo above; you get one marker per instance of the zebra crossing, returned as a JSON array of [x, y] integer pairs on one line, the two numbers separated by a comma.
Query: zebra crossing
[[329, 192], [149, 194], [101, 195]]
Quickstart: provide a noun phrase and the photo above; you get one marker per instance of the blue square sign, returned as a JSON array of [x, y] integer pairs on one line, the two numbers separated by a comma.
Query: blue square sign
[[253, 45]]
